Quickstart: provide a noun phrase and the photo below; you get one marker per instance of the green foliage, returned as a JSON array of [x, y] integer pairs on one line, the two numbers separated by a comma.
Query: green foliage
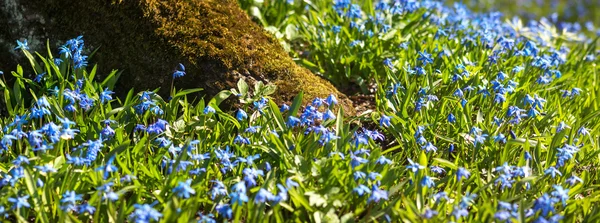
[[486, 131]]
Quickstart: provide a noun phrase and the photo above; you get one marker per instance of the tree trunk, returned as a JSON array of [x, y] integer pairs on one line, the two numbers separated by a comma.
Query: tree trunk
[[146, 39]]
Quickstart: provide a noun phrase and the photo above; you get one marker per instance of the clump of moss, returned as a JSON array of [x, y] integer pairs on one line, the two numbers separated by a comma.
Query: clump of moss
[[147, 38]]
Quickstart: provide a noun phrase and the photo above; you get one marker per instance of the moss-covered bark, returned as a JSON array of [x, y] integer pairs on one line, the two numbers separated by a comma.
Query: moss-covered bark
[[148, 38]]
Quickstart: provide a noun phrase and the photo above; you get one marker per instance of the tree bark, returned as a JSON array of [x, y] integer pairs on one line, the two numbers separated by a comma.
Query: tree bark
[[146, 39]]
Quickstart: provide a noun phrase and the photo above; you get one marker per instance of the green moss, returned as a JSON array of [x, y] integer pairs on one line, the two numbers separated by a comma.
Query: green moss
[[215, 39]]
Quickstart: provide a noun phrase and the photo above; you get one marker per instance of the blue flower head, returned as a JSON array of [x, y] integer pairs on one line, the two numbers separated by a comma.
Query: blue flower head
[[184, 189], [22, 45], [384, 121], [241, 115], [144, 213], [19, 202], [209, 110], [462, 173]]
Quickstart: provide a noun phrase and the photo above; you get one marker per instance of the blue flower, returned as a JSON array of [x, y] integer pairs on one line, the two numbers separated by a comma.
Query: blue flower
[[327, 137], [383, 160], [575, 92], [19, 202], [7, 141], [458, 93], [38, 78], [414, 167], [440, 196], [381, 6], [451, 118], [561, 193], [462, 173], [218, 189], [467, 200], [479, 139], [354, 12], [241, 140], [356, 160], [388, 63], [260, 104], [241, 115], [250, 175], [384, 121], [73, 49], [252, 129], [374, 135], [249, 160], [144, 213], [500, 138], [110, 195], [22, 45], [284, 108], [552, 171], [361, 190], [420, 71], [429, 147], [437, 169], [209, 110], [86, 208], [239, 197], [427, 182], [377, 194], [46, 169], [425, 57], [331, 100], [178, 74], [263, 196], [20, 160], [499, 98], [561, 126], [105, 96], [69, 200], [184, 189], [209, 218], [58, 61], [429, 214], [544, 204], [158, 127], [505, 180], [460, 212], [374, 175], [77, 161], [317, 102], [224, 210], [574, 180], [336, 29], [107, 132], [290, 183], [329, 115], [359, 175], [293, 121], [583, 131], [282, 195], [157, 110]]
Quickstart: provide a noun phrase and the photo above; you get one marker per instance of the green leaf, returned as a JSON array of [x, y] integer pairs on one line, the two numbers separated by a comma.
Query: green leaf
[[242, 87], [111, 79], [339, 128], [188, 91], [220, 97], [296, 104], [277, 115], [423, 159], [445, 163], [315, 199]]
